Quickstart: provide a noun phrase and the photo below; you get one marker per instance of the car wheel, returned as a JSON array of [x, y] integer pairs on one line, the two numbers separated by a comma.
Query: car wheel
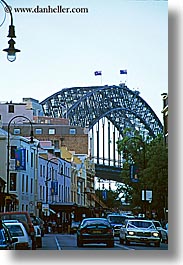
[[34, 246], [127, 242], [121, 241], [110, 244], [40, 244], [157, 244], [79, 243]]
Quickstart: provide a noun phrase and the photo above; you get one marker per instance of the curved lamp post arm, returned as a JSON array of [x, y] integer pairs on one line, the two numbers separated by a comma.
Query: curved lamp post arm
[[48, 179], [9, 10], [8, 145]]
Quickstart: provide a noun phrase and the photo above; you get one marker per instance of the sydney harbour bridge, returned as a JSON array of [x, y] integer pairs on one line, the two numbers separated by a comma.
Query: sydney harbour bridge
[[105, 111]]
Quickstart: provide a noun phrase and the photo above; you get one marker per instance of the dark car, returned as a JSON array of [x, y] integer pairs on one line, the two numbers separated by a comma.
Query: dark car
[[117, 220], [95, 231], [6, 240]]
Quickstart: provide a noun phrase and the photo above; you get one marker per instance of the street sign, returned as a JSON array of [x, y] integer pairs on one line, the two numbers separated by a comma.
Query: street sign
[[45, 209], [147, 195]]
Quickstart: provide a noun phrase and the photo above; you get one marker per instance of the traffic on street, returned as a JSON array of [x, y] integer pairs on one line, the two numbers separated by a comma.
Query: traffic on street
[[69, 242]]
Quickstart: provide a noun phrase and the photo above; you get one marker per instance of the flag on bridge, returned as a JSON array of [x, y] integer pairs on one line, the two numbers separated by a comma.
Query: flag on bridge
[[98, 72], [123, 72]]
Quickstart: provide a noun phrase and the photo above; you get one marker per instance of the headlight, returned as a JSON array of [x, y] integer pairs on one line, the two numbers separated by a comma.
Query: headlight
[[131, 233], [155, 234]]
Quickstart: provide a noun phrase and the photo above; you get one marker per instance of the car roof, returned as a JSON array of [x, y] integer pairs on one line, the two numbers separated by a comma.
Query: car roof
[[10, 221], [139, 220], [95, 218]]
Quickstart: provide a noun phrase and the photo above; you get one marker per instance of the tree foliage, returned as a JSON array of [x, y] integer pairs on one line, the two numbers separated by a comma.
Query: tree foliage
[[151, 156]]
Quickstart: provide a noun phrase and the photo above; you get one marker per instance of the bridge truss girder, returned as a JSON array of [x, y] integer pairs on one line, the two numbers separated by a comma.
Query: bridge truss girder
[[85, 106]]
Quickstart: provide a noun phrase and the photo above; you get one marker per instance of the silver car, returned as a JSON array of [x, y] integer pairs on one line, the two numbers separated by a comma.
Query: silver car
[[139, 231], [163, 232]]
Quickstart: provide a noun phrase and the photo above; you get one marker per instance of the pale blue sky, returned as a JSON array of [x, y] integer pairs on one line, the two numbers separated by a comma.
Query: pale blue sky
[[64, 50]]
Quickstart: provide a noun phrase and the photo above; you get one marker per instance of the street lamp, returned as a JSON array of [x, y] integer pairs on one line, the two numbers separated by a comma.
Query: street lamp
[[48, 179], [11, 50], [8, 145]]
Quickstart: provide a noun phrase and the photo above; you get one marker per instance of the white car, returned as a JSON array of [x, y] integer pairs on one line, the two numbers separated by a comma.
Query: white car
[[139, 231], [163, 232], [17, 230]]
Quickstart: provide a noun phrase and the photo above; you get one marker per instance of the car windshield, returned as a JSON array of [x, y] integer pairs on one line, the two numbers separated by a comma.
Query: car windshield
[[2, 238], [15, 230], [94, 222], [140, 224], [157, 224], [117, 219]]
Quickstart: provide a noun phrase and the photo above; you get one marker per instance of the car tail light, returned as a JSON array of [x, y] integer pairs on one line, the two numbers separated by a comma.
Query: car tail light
[[83, 231], [109, 231]]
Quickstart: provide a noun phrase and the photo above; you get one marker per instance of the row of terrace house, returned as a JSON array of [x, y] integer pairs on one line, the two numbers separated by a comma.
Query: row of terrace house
[[45, 168]]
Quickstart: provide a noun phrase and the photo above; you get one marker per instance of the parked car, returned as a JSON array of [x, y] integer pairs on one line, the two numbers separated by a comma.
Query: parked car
[[96, 231], [117, 220], [6, 240], [25, 219], [74, 227], [17, 230], [163, 232], [139, 231]]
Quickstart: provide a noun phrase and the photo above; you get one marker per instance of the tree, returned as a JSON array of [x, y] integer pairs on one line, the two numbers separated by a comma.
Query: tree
[[112, 199], [151, 156]]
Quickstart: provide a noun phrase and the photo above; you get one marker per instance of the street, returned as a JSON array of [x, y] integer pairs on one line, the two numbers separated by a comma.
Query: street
[[68, 242]]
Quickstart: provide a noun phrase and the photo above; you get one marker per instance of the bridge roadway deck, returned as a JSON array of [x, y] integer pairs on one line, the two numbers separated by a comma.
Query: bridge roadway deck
[[108, 172]]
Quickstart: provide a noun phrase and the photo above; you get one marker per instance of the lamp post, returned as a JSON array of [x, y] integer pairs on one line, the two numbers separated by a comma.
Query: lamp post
[[8, 146], [48, 179], [11, 50]]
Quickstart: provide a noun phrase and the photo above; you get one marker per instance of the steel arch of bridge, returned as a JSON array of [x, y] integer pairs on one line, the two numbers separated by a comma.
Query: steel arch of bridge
[[85, 106]]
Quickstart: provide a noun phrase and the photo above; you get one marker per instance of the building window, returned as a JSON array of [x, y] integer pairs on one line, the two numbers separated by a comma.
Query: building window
[[31, 185], [44, 171], [16, 131], [72, 131], [41, 170], [32, 159], [23, 182], [13, 181], [13, 148], [51, 131], [40, 192], [27, 184], [43, 192], [38, 131], [11, 108]]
